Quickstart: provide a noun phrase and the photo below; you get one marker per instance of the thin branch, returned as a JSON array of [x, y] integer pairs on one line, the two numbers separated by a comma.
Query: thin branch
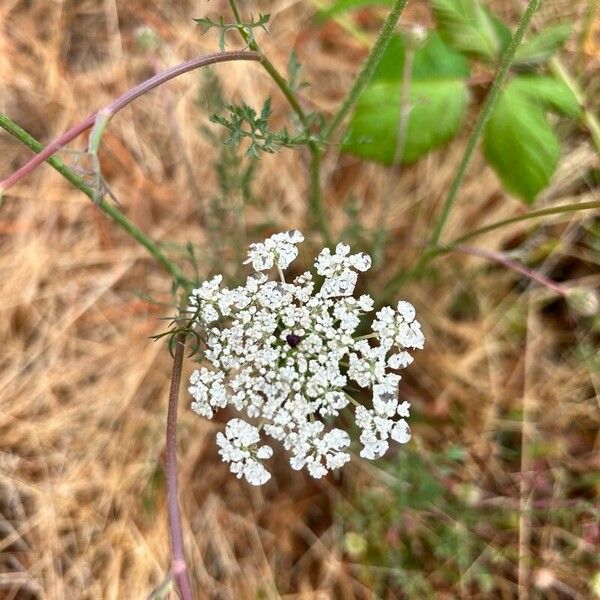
[[179, 566], [536, 214], [513, 265], [482, 118], [106, 113]]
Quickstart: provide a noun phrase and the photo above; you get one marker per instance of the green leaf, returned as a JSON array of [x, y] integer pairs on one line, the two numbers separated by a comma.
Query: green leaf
[[438, 98], [518, 141], [207, 23], [468, 28], [342, 6], [293, 70], [543, 45], [551, 93], [374, 129]]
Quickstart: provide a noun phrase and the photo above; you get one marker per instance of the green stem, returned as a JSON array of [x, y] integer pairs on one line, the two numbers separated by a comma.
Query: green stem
[[544, 212], [114, 213], [482, 117], [367, 69], [315, 196]]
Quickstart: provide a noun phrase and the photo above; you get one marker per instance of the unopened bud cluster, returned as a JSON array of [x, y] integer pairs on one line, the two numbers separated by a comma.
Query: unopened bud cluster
[[286, 356]]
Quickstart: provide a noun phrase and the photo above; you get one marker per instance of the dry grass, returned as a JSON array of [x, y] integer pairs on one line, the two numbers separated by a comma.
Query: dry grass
[[83, 391]]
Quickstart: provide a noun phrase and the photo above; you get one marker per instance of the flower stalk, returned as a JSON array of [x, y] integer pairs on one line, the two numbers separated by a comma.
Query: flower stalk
[[179, 568], [536, 214]]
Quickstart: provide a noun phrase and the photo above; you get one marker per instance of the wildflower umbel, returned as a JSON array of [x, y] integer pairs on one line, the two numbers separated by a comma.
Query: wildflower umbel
[[286, 355]]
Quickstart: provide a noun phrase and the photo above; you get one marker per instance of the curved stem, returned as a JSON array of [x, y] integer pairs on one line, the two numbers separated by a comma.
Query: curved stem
[[482, 117], [368, 68], [112, 211], [116, 105], [179, 565]]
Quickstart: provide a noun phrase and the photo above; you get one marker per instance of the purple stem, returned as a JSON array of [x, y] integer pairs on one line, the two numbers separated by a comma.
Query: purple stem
[[513, 266], [179, 568], [122, 101]]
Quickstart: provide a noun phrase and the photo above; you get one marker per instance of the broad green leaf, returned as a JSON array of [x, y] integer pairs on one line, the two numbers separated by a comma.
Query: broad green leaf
[[468, 28], [436, 113], [543, 45], [518, 141], [435, 60], [342, 6], [438, 98]]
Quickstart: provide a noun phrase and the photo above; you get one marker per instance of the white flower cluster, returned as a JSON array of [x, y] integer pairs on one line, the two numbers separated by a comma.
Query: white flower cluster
[[284, 354]]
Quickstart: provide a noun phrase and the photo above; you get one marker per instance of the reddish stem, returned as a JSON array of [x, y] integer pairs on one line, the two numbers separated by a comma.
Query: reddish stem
[[178, 565], [513, 265], [120, 102]]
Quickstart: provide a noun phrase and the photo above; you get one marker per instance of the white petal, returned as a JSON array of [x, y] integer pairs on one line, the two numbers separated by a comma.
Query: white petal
[[401, 432]]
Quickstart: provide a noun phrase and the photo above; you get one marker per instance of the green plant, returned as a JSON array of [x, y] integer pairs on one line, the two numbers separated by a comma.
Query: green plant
[[519, 141], [438, 87], [425, 530], [243, 123], [439, 75]]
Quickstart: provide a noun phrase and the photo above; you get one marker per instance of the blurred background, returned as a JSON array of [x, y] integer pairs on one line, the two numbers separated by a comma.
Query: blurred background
[[496, 496]]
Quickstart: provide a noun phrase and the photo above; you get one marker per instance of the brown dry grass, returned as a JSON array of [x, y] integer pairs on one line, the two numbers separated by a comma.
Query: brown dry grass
[[83, 391]]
